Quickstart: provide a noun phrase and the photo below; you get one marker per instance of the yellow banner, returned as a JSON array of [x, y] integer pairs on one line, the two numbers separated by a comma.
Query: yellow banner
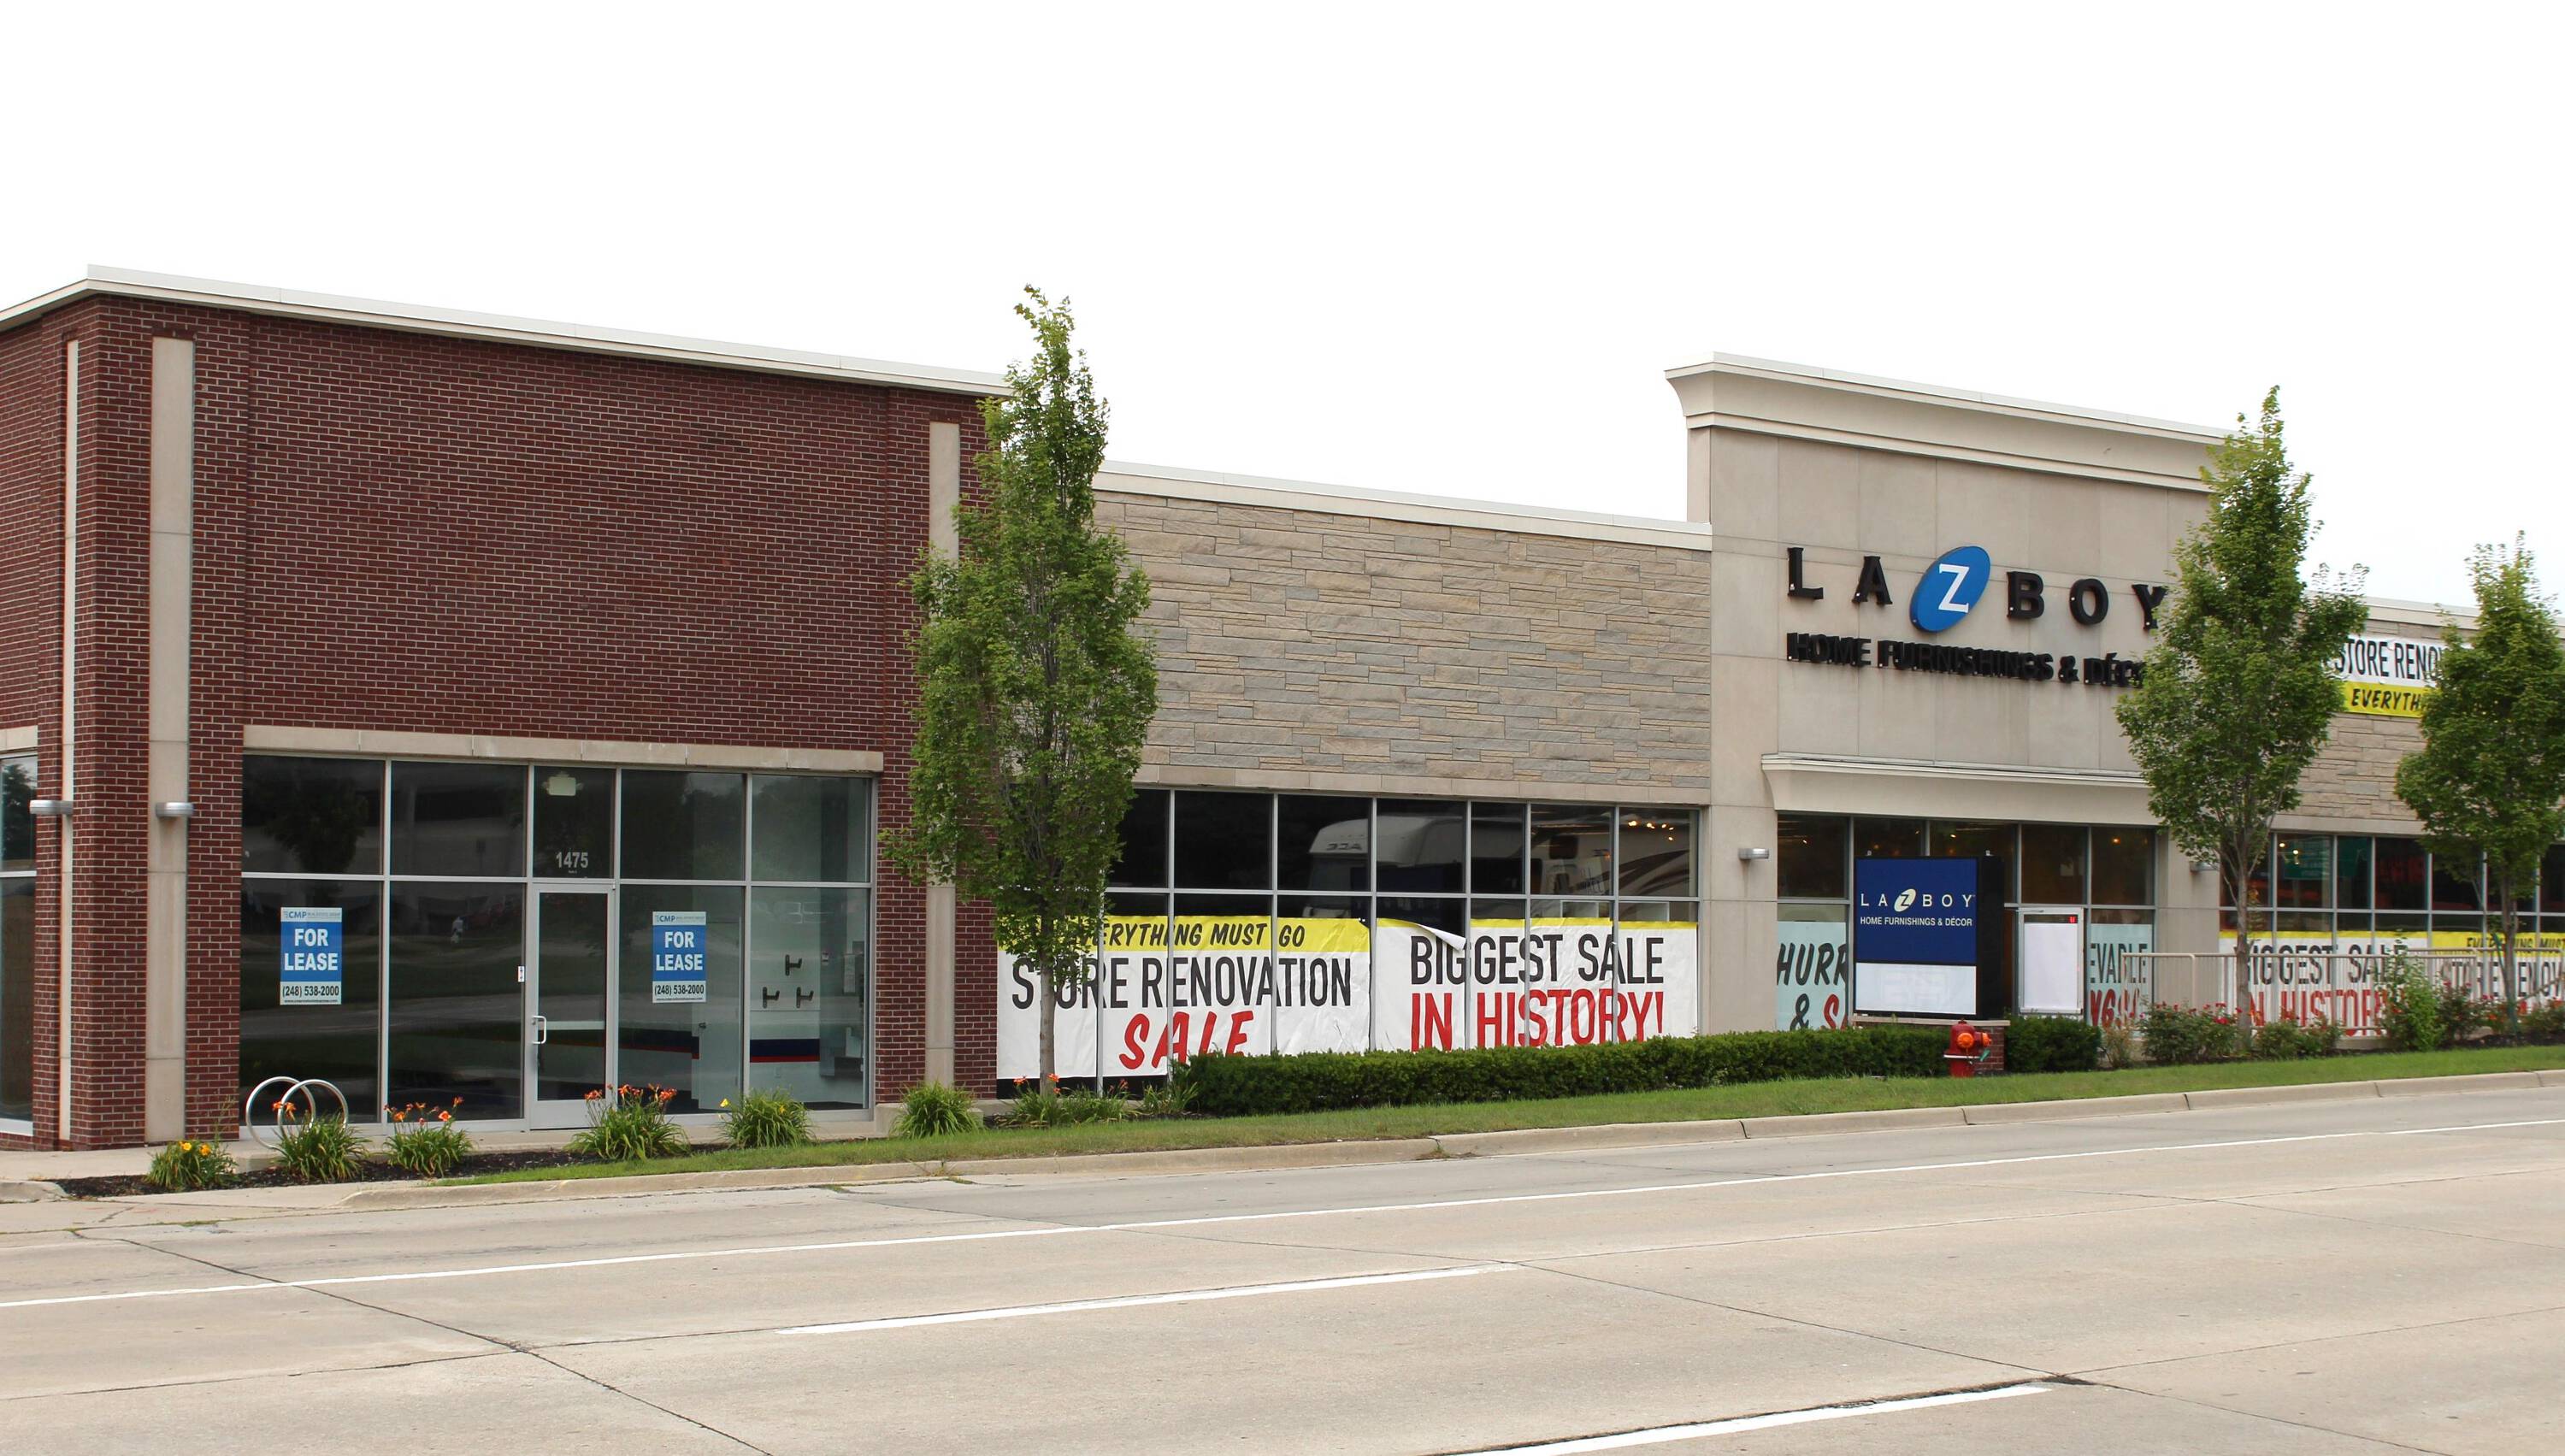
[[2378, 700]]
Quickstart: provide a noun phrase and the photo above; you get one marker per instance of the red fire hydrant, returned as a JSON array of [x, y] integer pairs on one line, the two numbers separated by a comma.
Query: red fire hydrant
[[1969, 1048]]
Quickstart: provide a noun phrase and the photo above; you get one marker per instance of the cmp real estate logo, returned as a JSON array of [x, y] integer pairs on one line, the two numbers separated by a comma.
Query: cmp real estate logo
[[1945, 594]]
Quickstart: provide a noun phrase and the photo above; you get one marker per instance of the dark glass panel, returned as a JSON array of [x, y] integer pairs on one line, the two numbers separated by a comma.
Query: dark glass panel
[[17, 823], [1325, 842], [574, 824], [1224, 840], [2351, 856], [458, 1008], [1887, 838], [1656, 852], [1421, 845], [1810, 851], [2124, 866], [311, 816], [2304, 865], [812, 829], [2052, 864], [1571, 849], [2404, 875], [18, 998], [458, 820], [682, 826], [690, 1047], [813, 950], [1143, 860], [1497, 849]]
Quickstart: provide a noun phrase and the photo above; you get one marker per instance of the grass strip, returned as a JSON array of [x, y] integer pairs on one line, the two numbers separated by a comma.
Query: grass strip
[[1682, 1104]]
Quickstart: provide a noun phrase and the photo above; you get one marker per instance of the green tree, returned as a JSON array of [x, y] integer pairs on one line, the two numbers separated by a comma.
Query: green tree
[[2489, 778], [2238, 691], [1033, 691]]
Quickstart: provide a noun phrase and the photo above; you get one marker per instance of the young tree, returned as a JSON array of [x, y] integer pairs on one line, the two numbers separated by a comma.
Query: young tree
[[1035, 692], [2238, 691], [2490, 779]]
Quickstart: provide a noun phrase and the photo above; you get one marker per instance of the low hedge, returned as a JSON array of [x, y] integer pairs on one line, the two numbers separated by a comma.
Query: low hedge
[[2052, 1044], [1316, 1081]]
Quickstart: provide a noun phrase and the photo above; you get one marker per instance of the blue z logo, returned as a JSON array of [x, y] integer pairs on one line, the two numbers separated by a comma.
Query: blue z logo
[[1950, 585]]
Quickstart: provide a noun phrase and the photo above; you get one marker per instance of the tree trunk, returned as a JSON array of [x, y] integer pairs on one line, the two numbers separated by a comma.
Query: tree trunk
[[2510, 956], [1049, 1065]]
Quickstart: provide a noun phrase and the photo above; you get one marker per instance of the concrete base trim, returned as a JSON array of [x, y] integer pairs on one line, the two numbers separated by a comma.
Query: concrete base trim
[[387, 743]]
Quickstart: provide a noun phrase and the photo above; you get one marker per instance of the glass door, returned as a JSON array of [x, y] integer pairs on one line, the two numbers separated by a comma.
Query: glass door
[[568, 1028]]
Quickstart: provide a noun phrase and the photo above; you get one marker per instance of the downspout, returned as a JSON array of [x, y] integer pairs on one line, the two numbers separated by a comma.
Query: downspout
[[66, 788]]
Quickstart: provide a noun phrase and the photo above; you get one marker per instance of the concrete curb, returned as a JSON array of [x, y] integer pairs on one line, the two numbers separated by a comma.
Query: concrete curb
[[1509, 1144]]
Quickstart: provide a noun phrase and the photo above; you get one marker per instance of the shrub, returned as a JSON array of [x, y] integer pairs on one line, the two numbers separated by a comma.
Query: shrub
[[2546, 1023], [2119, 1046], [426, 1144], [2176, 1034], [2287, 1039], [322, 1150], [1169, 1098], [185, 1166], [1090, 1107], [2411, 1013], [766, 1119], [629, 1123], [2052, 1044], [1046, 1105], [2464, 1012], [935, 1110], [1223, 1086]]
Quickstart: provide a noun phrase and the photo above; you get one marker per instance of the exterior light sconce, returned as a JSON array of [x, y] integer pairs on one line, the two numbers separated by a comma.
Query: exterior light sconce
[[1749, 853], [2203, 866], [49, 808], [173, 808]]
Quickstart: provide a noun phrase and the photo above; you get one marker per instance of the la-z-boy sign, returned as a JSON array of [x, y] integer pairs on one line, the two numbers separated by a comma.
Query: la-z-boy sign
[[1942, 597]]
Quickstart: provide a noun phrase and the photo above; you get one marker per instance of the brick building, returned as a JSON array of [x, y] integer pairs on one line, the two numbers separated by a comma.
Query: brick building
[[475, 711]]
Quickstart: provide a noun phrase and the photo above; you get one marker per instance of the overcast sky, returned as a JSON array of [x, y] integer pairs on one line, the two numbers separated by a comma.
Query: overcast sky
[[1438, 249]]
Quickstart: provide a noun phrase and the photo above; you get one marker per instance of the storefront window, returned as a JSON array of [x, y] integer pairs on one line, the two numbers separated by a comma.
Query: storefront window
[[1887, 838], [2052, 864], [810, 993], [1809, 855], [17, 939], [811, 829], [1224, 840], [2124, 866], [1496, 847], [334, 1040], [2404, 875], [1420, 847], [682, 826], [2456, 884], [2305, 872], [689, 1047], [459, 820], [1571, 849], [1323, 843], [1143, 859], [1656, 852], [311, 816], [574, 824], [456, 1021], [2351, 856]]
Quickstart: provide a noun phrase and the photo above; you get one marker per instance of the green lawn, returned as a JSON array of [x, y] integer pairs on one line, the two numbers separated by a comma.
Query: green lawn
[[1751, 1100]]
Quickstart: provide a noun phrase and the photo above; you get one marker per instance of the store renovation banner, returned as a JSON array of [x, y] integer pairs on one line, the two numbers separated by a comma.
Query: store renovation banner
[[1252, 986], [2386, 677]]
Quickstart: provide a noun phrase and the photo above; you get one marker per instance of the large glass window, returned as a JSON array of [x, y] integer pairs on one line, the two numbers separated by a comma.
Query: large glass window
[[433, 1005], [1323, 843], [2305, 872], [2124, 866], [1811, 860], [311, 816], [1656, 852], [17, 939], [1143, 860], [1224, 840], [2404, 875], [459, 820], [2351, 856], [1572, 848], [682, 826], [1422, 847], [1497, 849], [2052, 864]]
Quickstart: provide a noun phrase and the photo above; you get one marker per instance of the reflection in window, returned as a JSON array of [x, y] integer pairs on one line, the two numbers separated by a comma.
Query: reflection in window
[[690, 1047], [1143, 860], [1656, 852], [2052, 864], [1423, 845], [681, 826], [332, 1042], [17, 821], [1497, 849], [1324, 844], [812, 829], [810, 990], [311, 816], [457, 1018], [2304, 865], [2404, 875], [1887, 838], [1571, 849], [17, 996], [459, 820], [1810, 858], [2124, 866], [574, 822], [2457, 883], [1224, 840]]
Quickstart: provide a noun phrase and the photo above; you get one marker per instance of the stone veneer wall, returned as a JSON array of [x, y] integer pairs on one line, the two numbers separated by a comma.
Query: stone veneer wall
[[1304, 648], [2353, 776]]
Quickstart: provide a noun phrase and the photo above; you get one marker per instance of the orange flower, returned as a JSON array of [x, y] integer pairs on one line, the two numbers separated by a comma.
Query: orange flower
[[445, 1117], [458, 1102]]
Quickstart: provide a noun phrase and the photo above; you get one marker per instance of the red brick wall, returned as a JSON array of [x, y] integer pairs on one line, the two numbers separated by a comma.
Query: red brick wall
[[396, 531]]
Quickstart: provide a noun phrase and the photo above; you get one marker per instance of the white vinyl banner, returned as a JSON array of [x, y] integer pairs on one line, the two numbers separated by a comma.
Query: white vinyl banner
[[1249, 986], [1813, 984], [2115, 988], [2342, 979]]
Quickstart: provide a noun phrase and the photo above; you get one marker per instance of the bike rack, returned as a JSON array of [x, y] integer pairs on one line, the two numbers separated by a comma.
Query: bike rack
[[293, 1088]]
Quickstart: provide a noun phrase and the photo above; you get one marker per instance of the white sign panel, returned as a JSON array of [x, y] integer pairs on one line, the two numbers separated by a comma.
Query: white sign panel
[[2052, 961]]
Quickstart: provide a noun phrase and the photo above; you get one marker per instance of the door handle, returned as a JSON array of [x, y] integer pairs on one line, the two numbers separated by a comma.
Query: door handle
[[542, 1029]]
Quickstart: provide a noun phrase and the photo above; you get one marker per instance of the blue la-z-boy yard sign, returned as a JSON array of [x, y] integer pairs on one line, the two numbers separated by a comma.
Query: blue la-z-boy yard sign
[[677, 956]]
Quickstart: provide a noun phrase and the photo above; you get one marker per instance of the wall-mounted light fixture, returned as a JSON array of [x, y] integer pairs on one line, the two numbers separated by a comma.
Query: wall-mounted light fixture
[[173, 808], [1749, 853], [49, 808], [2203, 867]]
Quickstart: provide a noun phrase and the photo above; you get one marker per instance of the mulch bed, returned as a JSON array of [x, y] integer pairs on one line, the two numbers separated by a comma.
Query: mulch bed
[[369, 1170]]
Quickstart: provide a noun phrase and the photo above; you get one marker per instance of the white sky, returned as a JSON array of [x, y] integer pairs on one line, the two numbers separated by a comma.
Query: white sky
[[1447, 249]]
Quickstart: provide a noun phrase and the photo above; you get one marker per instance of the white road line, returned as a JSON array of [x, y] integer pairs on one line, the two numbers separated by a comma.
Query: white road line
[[1128, 1302], [1147, 1225], [1659, 1435]]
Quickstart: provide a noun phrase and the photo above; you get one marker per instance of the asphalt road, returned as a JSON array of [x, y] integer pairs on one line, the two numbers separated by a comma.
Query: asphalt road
[[2348, 1276]]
